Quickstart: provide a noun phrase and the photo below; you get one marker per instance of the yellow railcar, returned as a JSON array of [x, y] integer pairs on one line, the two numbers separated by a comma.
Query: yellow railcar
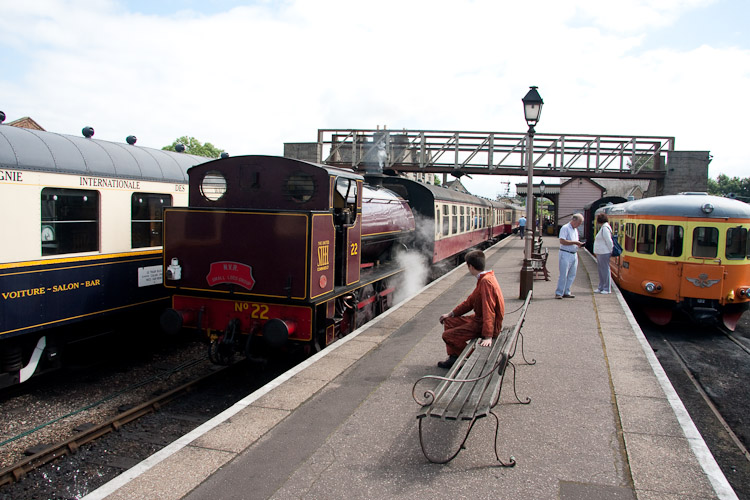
[[687, 253]]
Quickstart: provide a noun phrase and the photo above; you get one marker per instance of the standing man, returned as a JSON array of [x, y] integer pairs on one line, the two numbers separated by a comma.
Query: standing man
[[569, 245], [489, 308], [522, 225]]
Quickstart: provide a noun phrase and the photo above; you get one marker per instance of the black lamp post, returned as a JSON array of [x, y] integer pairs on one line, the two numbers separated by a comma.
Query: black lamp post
[[541, 195], [532, 109]]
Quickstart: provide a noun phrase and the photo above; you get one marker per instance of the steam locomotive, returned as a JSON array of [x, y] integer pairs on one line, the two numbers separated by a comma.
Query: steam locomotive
[[688, 252], [274, 252]]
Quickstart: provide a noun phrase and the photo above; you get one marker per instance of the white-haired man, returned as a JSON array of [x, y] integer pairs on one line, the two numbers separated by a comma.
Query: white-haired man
[[569, 245]]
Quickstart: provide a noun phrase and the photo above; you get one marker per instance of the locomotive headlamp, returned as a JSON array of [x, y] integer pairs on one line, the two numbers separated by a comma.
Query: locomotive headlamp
[[174, 270], [707, 208]]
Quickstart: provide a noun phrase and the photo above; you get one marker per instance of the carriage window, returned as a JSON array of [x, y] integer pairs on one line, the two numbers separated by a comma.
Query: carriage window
[[705, 242], [454, 229], [736, 243], [213, 185], [437, 220], [463, 219], [446, 221], [70, 221], [629, 237], [669, 240], [645, 238], [146, 214]]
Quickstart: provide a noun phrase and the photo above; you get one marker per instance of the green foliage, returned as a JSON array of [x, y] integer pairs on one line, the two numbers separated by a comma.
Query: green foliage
[[436, 181], [194, 147], [733, 187]]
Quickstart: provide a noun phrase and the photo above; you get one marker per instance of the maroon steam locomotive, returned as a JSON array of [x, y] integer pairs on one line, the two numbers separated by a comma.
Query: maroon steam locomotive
[[273, 251]]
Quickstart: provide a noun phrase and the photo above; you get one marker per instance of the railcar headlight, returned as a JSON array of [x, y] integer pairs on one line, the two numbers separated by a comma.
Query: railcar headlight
[[652, 286], [707, 208]]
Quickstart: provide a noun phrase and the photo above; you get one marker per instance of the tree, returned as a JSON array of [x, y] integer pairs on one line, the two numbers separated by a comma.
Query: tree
[[730, 187], [194, 147]]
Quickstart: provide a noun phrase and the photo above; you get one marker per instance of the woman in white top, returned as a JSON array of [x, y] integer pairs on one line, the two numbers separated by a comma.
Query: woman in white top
[[603, 251]]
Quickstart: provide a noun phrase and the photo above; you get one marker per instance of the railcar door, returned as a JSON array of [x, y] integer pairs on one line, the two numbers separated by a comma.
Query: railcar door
[[703, 273]]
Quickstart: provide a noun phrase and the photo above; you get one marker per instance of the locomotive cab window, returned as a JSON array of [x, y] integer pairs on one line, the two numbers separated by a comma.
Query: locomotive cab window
[[705, 242], [669, 240], [147, 211], [345, 200], [70, 221], [737, 243], [301, 187], [213, 185]]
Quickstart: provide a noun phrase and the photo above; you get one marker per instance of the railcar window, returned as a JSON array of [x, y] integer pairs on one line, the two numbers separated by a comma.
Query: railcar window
[[300, 187], [454, 228], [705, 242], [70, 221], [446, 221], [463, 219], [629, 237], [213, 185], [669, 240], [645, 238], [736, 243], [146, 215]]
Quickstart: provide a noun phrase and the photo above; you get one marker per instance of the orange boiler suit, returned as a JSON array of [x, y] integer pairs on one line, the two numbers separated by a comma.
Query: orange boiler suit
[[489, 308]]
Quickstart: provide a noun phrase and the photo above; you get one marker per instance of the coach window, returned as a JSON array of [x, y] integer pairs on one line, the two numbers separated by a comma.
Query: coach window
[[736, 243], [146, 214], [705, 242], [629, 237], [446, 221], [645, 238], [669, 240], [70, 221]]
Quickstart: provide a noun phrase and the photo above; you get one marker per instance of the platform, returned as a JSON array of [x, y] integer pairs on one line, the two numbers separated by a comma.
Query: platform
[[603, 423]]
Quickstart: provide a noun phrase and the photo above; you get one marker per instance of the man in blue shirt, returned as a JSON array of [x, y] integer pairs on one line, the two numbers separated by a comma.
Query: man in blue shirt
[[569, 245], [522, 225]]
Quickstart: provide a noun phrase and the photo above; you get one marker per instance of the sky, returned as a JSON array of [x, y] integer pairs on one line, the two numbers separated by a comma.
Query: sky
[[250, 76]]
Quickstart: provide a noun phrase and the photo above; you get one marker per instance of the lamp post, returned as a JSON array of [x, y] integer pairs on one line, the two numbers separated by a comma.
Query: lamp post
[[532, 109], [541, 195]]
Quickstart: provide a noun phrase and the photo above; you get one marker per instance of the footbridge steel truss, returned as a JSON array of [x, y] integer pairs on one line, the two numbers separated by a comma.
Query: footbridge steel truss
[[501, 153]]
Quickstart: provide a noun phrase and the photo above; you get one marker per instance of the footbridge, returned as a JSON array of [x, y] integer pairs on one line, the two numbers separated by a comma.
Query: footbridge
[[501, 153]]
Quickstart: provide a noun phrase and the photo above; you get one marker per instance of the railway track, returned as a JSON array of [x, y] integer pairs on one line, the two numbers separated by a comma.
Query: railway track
[[709, 370]]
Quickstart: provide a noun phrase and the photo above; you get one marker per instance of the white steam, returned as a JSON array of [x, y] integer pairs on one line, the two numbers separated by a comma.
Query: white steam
[[414, 277]]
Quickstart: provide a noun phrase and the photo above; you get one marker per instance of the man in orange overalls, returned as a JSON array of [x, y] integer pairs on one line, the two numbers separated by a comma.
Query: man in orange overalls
[[489, 308]]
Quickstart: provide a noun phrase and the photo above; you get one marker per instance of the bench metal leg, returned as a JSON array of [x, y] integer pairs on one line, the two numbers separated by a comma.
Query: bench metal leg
[[523, 354], [461, 447], [512, 461], [528, 400]]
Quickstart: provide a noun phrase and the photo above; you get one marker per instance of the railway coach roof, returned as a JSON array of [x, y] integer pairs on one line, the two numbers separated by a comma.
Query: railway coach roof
[[683, 205], [26, 149]]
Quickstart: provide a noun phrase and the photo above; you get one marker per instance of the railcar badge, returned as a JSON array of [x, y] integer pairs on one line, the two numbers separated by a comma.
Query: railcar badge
[[702, 281]]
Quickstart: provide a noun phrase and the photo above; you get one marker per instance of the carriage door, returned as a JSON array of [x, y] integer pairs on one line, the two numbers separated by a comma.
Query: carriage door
[[347, 208], [702, 274]]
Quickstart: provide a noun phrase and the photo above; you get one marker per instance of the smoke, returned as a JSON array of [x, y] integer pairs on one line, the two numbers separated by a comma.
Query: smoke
[[414, 278]]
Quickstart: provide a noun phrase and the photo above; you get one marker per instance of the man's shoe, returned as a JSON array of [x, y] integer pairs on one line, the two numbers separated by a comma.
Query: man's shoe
[[569, 296], [558, 296], [448, 362]]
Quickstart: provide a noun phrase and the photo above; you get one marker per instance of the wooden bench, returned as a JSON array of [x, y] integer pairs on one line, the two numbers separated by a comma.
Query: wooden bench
[[539, 264], [471, 389]]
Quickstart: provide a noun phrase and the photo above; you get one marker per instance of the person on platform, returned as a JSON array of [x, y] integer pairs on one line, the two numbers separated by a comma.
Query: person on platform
[[489, 308], [603, 250], [569, 245], [522, 226]]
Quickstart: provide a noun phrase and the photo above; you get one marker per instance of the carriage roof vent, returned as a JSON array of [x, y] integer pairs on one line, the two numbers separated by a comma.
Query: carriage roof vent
[[88, 132]]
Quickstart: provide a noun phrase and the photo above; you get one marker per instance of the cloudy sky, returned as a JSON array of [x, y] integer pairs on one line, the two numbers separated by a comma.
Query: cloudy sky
[[249, 76]]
